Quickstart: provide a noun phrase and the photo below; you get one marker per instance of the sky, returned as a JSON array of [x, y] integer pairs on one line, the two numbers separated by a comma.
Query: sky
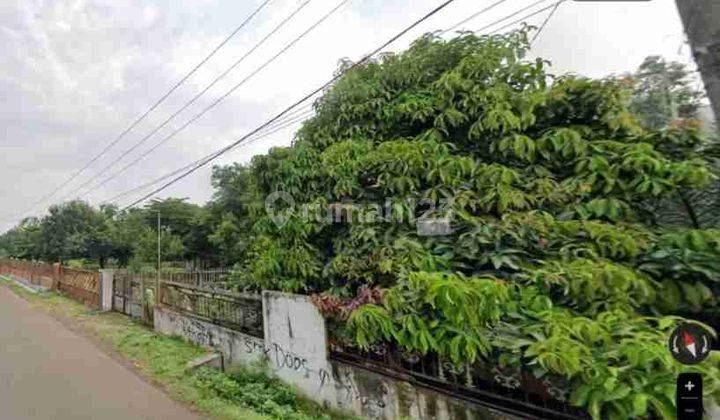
[[75, 73]]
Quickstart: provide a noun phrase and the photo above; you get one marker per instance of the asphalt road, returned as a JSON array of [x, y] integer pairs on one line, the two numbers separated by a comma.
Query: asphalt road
[[50, 372]]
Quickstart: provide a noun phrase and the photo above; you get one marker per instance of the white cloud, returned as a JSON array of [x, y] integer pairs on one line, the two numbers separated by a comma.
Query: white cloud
[[75, 73]]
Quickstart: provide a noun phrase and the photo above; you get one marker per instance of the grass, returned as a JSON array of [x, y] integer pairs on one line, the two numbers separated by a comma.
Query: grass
[[240, 394]]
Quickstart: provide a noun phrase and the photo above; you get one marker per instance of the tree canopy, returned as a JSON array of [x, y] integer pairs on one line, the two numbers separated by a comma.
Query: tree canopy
[[556, 263], [458, 199]]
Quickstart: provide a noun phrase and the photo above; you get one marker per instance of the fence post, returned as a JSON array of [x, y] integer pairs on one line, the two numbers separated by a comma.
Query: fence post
[[57, 272], [143, 299], [106, 289]]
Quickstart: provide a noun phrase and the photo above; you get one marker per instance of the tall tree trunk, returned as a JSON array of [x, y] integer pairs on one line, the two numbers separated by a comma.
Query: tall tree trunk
[[701, 19]]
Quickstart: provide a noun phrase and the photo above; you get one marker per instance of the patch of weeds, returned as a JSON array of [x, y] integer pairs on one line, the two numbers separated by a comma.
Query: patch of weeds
[[256, 390]]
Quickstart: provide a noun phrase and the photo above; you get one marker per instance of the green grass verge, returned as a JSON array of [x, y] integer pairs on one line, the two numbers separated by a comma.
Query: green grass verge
[[240, 394]]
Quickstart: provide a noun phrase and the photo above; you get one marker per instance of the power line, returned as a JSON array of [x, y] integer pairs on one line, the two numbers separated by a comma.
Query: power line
[[545, 22], [220, 99], [292, 106], [154, 106], [530, 6], [290, 121], [525, 17], [191, 101], [473, 16]]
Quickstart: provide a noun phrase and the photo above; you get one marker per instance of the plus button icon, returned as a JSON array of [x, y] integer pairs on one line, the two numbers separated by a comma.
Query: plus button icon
[[689, 386]]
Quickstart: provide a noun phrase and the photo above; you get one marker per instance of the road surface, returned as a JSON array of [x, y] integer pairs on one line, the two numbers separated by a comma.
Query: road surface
[[50, 372]]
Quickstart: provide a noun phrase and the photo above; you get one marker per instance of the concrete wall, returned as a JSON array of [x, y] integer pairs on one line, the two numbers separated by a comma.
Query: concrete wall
[[295, 331], [376, 396], [295, 350], [236, 347]]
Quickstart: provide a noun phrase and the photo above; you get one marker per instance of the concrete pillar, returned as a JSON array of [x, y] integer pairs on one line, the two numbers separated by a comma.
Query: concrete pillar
[[106, 289], [295, 340]]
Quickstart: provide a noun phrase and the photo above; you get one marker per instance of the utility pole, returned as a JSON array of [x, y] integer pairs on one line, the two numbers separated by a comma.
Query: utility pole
[[157, 278], [701, 19]]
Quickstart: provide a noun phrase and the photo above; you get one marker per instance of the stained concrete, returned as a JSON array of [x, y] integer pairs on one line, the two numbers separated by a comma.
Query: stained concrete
[[236, 347], [295, 350]]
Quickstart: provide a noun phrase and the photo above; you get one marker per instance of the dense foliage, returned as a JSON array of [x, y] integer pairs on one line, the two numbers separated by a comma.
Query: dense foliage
[[663, 92], [559, 260]]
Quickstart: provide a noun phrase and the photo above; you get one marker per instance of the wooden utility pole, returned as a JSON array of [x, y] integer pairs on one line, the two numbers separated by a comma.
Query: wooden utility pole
[[701, 19]]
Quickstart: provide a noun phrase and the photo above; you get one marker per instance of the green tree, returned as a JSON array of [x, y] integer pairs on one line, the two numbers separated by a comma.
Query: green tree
[[556, 264], [72, 230], [664, 100], [190, 222], [663, 92], [231, 210], [145, 247], [128, 226], [23, 241]]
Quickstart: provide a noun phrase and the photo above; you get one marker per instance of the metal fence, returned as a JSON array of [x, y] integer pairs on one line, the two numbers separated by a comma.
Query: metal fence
[[82, 285], [238, 311], [37, 273], [216, 278], [513, 391], [133, 295]]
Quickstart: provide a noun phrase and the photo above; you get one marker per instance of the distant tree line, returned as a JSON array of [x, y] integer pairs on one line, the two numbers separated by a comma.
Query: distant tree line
[[75, 230]]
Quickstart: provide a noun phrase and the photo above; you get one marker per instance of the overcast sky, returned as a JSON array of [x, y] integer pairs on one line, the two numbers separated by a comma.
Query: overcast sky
[[75, 73]]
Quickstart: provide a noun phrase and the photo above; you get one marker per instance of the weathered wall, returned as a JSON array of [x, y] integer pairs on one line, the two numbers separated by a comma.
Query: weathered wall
[[296, 336], [295, 350], [106, 289], [380, 397], [236, 347], [295, 333]]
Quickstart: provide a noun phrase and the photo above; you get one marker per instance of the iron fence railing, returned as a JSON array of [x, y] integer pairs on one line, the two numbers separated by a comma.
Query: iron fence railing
[[217, 278], [238, 311], [513, 391]]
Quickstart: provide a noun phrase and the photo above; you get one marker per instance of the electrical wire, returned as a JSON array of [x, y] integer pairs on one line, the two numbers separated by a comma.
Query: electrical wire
[[301, 113], [154, 106], [525, 17], [545, 22], [528, 7], [217, 101], [231, 146], [473, 16], [279, 127], [193, 99]]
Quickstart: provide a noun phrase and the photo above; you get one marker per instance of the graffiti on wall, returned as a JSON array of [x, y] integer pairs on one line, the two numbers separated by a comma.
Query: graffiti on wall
[[371, 400], [349, 388]]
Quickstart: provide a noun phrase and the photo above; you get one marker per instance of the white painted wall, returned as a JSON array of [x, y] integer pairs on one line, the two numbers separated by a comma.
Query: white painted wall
[[106, 289], [295, 349]]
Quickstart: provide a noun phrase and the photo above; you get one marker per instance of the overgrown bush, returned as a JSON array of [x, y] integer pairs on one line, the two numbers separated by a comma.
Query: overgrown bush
[[555, 263]]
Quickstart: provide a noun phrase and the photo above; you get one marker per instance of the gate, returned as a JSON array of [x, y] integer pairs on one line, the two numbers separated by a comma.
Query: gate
[[131, 295]]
